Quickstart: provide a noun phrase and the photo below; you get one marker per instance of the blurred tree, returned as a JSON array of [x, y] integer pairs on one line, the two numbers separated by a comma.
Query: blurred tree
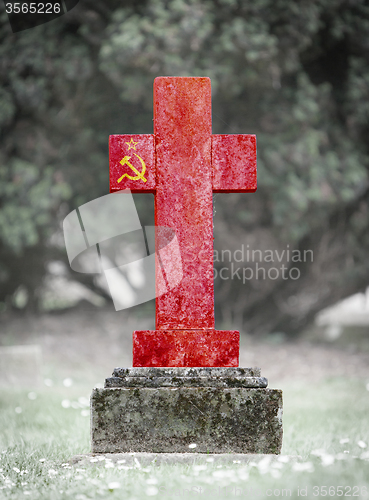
[[56, 112], [294, 73]]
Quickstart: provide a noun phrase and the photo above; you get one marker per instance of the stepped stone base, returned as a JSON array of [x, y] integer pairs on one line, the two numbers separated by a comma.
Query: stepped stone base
[[165, 410]]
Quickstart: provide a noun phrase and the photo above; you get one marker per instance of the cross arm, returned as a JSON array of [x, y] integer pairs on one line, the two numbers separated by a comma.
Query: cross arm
[[234, 163], [132, 163]]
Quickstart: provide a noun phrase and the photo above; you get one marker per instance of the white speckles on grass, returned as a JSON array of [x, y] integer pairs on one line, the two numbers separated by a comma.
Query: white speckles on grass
[[32, 396], [152, 491], [67, 382], [225, 473], [198, 468], [361, 444], [59, 424], [18, 409], [264, 465], [303, 467], [318, 452], [114, 485], [327, 460], [192, 446], [277, 465], [77, 405], [276, 474]]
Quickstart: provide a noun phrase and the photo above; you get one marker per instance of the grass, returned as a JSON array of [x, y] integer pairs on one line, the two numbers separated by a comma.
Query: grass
[[323, 424]]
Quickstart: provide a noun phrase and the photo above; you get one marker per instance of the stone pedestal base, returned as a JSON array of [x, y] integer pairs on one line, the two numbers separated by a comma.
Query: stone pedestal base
[[165, 410]]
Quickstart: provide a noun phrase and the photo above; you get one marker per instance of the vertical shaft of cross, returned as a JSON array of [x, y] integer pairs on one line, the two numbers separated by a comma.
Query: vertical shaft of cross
[[183, 199]]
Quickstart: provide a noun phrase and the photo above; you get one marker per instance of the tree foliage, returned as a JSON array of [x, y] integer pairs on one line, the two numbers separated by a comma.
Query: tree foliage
[[294, 73]]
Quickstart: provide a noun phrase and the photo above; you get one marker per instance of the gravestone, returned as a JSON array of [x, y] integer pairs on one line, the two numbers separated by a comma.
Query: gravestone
[[185, 386]]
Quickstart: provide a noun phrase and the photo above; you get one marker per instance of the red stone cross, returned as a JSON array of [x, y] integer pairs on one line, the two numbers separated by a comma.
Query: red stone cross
[[183, 164]]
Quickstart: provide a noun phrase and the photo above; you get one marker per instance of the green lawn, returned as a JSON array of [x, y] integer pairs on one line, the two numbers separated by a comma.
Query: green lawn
[[38, 435]]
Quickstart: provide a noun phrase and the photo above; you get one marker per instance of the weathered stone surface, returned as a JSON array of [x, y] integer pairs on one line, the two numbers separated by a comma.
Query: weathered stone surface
[[186, 372], [217, 420], [186, 377], [186, 382], [186, 348]]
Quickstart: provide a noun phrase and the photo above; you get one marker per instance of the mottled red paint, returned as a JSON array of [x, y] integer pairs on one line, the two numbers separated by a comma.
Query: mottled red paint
[[234, 163], [185, 164], [185, 348], [184, 198]]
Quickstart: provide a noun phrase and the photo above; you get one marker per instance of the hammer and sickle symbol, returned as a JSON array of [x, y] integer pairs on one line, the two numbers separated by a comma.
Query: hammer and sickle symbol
[[139, 175]]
